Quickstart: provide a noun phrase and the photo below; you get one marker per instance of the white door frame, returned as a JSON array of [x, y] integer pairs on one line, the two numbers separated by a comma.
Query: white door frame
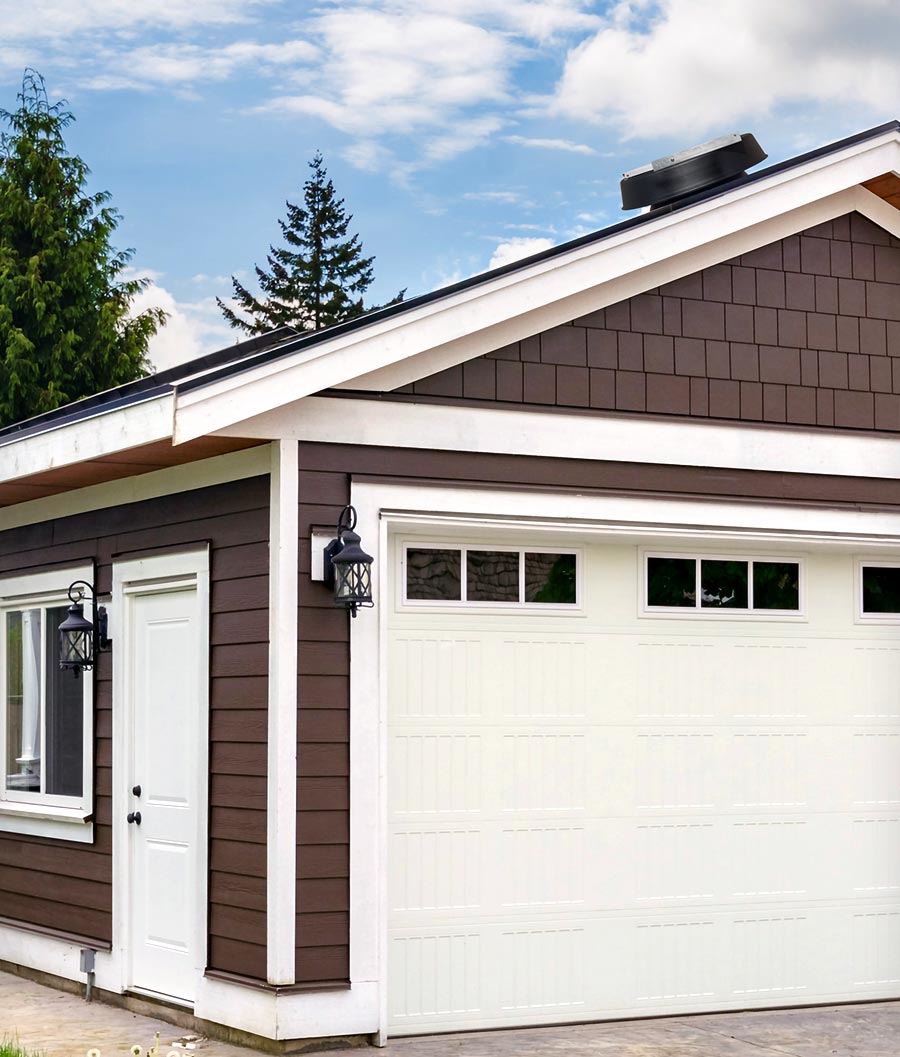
[[157, 573], [384, 508]]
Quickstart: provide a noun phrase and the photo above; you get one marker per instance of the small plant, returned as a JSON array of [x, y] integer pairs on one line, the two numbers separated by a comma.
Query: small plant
[[135, 1050], [11, 1048]]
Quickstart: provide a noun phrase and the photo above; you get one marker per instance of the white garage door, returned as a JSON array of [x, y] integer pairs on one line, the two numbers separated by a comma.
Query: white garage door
[[601, 810]]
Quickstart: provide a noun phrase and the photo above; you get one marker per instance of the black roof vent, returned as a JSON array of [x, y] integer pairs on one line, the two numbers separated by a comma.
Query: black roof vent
[[676, 176]]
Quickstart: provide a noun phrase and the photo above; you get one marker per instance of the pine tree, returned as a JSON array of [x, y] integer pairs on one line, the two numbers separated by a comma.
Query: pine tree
[[66, 325], [317, 279]]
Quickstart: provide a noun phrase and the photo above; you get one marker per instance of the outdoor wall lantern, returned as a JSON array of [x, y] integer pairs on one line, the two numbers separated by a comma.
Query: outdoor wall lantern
[[80, 640], [348, 569]]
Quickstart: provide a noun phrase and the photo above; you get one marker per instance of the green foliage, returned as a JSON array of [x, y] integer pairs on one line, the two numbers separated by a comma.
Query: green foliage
[[66, 326], [11, 1048], [319, 278]]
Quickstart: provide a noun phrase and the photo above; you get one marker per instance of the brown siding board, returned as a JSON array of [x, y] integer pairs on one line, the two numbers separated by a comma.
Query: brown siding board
[[233, 890], [238, 957]]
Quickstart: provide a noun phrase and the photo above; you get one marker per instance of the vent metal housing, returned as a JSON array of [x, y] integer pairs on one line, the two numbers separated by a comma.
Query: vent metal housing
[[675, 176]]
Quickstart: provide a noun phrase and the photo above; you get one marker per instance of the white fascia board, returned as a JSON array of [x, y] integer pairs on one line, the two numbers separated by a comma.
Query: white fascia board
[[473, 321], [89, 438], [604, 436]]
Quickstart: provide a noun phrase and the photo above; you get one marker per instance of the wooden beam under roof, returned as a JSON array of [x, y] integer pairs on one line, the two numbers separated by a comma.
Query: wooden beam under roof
[[157, 456], [886, 186]]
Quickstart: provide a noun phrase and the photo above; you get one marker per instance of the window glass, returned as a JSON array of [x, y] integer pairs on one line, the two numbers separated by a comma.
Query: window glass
[[550, 578], [881, 589], [723, 584], [776, 585], [492, 576], [23, 700], [433, 575], [64, 718], [671, 582]]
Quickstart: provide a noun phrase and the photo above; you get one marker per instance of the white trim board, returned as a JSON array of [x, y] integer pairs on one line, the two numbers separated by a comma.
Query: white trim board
[[101, 434], [586, 435], [281, 776], [465, 324], [219, 469]]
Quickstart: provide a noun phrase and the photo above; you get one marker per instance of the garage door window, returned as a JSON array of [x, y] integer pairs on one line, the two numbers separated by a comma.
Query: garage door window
[[477, 576], [746, 585], [880, 590]]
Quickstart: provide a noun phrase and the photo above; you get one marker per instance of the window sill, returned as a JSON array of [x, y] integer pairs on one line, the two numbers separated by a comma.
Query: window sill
[[39, 820]]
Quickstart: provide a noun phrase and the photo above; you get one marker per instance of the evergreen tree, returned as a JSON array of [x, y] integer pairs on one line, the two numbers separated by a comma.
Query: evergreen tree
[[66, 326], [317, 279]]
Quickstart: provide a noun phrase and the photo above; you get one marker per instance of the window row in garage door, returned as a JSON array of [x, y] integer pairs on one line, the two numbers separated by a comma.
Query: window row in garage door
[[599, 810]]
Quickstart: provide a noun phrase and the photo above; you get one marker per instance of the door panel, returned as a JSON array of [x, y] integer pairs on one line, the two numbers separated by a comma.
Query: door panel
[[167, 859], [615, 815]]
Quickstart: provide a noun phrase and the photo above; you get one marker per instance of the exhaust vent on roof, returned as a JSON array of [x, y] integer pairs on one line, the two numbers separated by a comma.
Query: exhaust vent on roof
[[668, 179]]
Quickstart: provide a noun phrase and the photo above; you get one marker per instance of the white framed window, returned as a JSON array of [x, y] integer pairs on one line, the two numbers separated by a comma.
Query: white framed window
[[490, 576], [722, 585], [46, 715], [877, 591]]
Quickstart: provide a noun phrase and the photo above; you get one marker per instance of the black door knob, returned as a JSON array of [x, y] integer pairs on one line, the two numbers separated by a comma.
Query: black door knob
[[134, 816], [135, 790]]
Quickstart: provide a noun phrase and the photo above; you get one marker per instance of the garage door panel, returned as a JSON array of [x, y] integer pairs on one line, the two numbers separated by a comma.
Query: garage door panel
[[610, 815]]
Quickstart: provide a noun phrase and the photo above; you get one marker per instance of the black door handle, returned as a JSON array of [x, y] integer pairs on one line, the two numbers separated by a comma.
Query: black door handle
[[135, 790], [134, 816]]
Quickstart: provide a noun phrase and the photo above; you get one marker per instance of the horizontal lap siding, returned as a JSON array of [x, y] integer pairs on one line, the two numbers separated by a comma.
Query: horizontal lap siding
[[74, 881], [323, 752], [326, 472]]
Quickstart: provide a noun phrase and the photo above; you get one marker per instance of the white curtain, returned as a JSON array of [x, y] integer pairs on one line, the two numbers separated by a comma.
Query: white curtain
[[29, 760]]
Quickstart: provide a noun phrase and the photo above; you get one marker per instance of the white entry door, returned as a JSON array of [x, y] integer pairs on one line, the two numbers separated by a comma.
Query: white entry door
[[165, 784]]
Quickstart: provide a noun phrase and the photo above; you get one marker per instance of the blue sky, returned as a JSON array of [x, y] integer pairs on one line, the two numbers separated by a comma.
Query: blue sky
[[460, 132]]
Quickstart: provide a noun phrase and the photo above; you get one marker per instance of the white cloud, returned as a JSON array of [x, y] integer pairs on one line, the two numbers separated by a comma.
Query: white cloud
[[506, 198], [517, 248], [193, 329], [692, 67], [175, 64], [551, 144], [60, 19], [440, 75]]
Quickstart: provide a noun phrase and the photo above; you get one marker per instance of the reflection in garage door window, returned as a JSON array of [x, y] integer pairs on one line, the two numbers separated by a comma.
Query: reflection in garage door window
[[550, 578], [433, 575], [478, 576], [672, 582], [492, 576], [776, 585], [740, 585], [881, 589]]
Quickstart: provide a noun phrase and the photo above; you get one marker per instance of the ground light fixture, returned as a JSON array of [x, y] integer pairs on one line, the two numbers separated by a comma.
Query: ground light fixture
[[348, 569], [80, 640]]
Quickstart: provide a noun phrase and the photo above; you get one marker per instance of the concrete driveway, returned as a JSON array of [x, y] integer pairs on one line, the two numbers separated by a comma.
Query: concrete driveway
[[62, 1025]]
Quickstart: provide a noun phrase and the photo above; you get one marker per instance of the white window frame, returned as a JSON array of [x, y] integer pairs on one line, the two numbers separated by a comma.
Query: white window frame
[[698, 612], [463, 602], [861, 616], [42, 814]]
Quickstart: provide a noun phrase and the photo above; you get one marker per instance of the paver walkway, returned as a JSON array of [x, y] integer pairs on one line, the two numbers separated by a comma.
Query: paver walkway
[[62, 1025]]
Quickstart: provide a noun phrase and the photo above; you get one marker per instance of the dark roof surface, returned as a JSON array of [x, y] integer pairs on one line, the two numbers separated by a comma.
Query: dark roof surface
[[285, 341]]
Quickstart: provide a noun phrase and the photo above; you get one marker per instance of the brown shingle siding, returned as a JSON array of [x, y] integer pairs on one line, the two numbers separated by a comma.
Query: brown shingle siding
[[789, 324]]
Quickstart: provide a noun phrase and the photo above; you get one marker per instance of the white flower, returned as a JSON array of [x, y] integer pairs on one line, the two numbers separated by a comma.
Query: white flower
[[136, 1050], [93, 1053]]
